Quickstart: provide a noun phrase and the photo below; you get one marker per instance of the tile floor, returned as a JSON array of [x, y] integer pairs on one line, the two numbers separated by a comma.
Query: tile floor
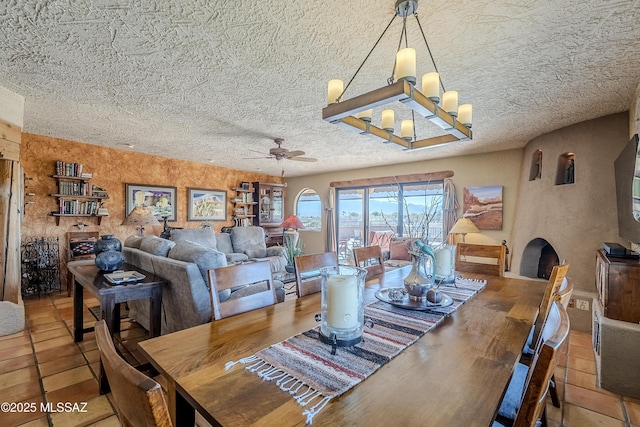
[[43, 365]]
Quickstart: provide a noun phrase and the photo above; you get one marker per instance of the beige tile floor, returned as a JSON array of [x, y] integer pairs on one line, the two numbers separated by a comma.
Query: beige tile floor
[[43, 365]]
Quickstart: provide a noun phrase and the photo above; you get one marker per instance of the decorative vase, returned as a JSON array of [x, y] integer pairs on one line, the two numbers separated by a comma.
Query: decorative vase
[[109, 261], [289, 268], [108, 252], [423, 271], [107, 243]]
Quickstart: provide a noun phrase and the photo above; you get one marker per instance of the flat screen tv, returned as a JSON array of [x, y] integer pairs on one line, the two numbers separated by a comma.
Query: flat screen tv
[[625, 168]]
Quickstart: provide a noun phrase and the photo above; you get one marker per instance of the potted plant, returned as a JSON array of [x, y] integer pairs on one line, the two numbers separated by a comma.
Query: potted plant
[[290, 252]]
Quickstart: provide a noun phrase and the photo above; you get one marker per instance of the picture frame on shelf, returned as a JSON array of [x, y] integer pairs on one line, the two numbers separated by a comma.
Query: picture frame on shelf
[[161, 200], [206, 204]]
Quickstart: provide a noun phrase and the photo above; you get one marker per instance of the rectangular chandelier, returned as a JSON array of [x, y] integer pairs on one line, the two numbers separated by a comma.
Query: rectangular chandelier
[[355, 113]]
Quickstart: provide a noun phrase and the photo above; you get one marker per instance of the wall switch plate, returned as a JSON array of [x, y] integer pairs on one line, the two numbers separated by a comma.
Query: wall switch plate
[[582, 304]]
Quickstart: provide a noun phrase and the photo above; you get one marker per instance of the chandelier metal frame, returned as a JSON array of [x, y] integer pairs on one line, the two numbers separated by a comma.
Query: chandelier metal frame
[[343, 112]]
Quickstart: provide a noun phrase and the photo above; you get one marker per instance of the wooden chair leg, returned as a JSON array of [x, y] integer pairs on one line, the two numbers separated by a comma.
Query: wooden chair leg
[[553, 392]]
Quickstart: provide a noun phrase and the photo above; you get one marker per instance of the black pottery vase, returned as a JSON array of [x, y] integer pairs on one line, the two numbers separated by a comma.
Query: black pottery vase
[[108, 252], [107, 243], [109, 261]]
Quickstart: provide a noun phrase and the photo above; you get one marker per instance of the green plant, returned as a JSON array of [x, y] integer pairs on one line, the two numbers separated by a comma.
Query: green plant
[[292, 251]]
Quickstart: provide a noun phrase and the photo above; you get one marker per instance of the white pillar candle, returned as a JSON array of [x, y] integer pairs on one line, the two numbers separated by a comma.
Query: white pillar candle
[[336, 87], [342, 301], [431, 86], [406, 129], [443, 262], [406, 64], [366, 115], [465, 114], [450, 102], [388, 119]]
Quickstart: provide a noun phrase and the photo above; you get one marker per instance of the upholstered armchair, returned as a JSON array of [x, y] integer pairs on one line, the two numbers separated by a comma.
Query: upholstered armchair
[[251, 241]]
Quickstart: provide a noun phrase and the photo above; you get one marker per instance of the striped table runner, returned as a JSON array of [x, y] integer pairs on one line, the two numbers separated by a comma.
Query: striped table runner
[[304, 366]]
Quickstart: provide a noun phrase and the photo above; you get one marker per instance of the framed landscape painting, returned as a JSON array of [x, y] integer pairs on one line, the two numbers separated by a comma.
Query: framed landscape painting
[[483, 206], [160, 200], [206, 205]]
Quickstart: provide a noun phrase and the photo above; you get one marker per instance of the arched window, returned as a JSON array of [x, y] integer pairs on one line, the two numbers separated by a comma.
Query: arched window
[[309, 209]]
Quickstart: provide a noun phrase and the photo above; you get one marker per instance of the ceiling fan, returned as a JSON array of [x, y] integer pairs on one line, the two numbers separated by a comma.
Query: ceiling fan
[[280, 153]]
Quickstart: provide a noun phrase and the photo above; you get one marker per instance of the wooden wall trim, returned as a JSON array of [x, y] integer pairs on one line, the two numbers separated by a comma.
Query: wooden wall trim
[[385, 180]]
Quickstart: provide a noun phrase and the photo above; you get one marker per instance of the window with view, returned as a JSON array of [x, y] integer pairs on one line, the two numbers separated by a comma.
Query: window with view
[[375, 215], [309, 209]]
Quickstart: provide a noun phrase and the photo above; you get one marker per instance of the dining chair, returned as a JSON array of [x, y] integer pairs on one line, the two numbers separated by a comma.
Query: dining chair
[[369, 258], [308, 279], [558, 274], [564, 293], [236, 276], [481, 259], [139, 399], [524, 402]]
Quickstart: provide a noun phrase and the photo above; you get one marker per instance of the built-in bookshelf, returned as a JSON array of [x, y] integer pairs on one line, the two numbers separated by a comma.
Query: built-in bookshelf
[[243, 205], [76, 195]]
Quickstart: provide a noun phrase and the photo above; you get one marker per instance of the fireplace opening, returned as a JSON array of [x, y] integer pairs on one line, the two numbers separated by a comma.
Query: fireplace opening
[[538, 259]]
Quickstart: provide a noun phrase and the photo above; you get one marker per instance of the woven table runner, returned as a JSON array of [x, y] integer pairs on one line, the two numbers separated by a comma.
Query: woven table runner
[[304, 366]]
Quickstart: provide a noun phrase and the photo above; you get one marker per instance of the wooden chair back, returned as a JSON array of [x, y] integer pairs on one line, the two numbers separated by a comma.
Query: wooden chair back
[[236, 275], [534, 399], [369, 258], [310, 264], [564, 295], [550, 294], [139, 399], [481, 259]]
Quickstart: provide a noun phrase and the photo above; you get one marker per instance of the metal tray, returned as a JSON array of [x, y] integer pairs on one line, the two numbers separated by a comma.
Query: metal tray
[[412, 304], [120, 277]]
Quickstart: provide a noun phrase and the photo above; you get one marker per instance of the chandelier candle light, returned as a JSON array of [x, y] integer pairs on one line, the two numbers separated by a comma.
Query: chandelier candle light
[[356, 113]]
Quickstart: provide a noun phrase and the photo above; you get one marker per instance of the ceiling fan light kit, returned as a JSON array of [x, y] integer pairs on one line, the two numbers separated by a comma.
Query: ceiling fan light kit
[[355, 113]]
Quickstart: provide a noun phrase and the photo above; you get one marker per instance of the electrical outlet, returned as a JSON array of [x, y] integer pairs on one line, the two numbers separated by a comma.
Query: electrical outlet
[[582, 304]]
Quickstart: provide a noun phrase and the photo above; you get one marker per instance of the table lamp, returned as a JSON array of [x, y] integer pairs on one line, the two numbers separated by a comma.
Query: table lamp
[[291, 224], [140, 216], [464, 226]]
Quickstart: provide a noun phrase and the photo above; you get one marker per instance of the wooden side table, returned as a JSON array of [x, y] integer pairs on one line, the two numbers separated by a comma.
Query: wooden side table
[[110, 296]]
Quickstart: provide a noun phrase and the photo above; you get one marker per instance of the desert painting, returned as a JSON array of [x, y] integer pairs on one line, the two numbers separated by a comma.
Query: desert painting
[[483, 206]]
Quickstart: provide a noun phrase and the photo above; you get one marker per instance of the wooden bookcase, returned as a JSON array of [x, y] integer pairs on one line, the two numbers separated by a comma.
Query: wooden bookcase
[[243, 205], [270, 199]]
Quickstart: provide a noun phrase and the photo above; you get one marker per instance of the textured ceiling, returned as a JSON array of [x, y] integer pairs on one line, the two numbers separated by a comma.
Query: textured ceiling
[[208, 81]]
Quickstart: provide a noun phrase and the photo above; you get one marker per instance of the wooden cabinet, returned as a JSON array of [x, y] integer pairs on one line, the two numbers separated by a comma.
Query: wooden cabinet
[[77, 197], [270, 199], [618, 285], [243, 205]]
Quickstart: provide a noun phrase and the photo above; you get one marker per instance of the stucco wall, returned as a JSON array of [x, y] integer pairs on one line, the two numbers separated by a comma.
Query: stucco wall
[[111, 169], [498, 168], [574, 218]]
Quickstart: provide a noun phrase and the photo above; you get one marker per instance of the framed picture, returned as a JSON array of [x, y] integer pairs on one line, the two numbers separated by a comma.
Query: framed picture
[[160, 200], [483, 206], [206, 205]]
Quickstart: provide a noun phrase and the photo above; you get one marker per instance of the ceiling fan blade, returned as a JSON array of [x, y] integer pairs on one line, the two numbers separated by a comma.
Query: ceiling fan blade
[[295, 153], [303, 159], [252, 158], [256, 151]]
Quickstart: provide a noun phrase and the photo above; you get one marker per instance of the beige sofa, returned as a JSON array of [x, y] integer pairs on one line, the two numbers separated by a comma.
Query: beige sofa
[[185, 299]]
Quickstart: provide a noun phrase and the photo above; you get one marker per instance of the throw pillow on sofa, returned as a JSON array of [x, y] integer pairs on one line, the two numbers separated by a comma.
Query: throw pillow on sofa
[[133, 242], [255, 251], [205, 258], [156, 245], [202, 236]]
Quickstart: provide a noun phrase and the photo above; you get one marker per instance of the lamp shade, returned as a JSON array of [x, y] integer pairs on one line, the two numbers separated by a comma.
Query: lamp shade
[[140, 216], [292, 221], [464, 226]]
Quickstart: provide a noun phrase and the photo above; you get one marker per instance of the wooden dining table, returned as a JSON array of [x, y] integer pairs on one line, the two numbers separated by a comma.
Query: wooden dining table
[[456, 374]]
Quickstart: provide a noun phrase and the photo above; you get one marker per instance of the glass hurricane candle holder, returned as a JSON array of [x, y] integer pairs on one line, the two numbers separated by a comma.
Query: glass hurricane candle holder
[[342, 315], [445, 264]]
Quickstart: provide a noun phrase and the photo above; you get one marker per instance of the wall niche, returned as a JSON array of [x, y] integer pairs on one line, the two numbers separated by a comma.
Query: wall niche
[[566, 169], [535, 172]]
